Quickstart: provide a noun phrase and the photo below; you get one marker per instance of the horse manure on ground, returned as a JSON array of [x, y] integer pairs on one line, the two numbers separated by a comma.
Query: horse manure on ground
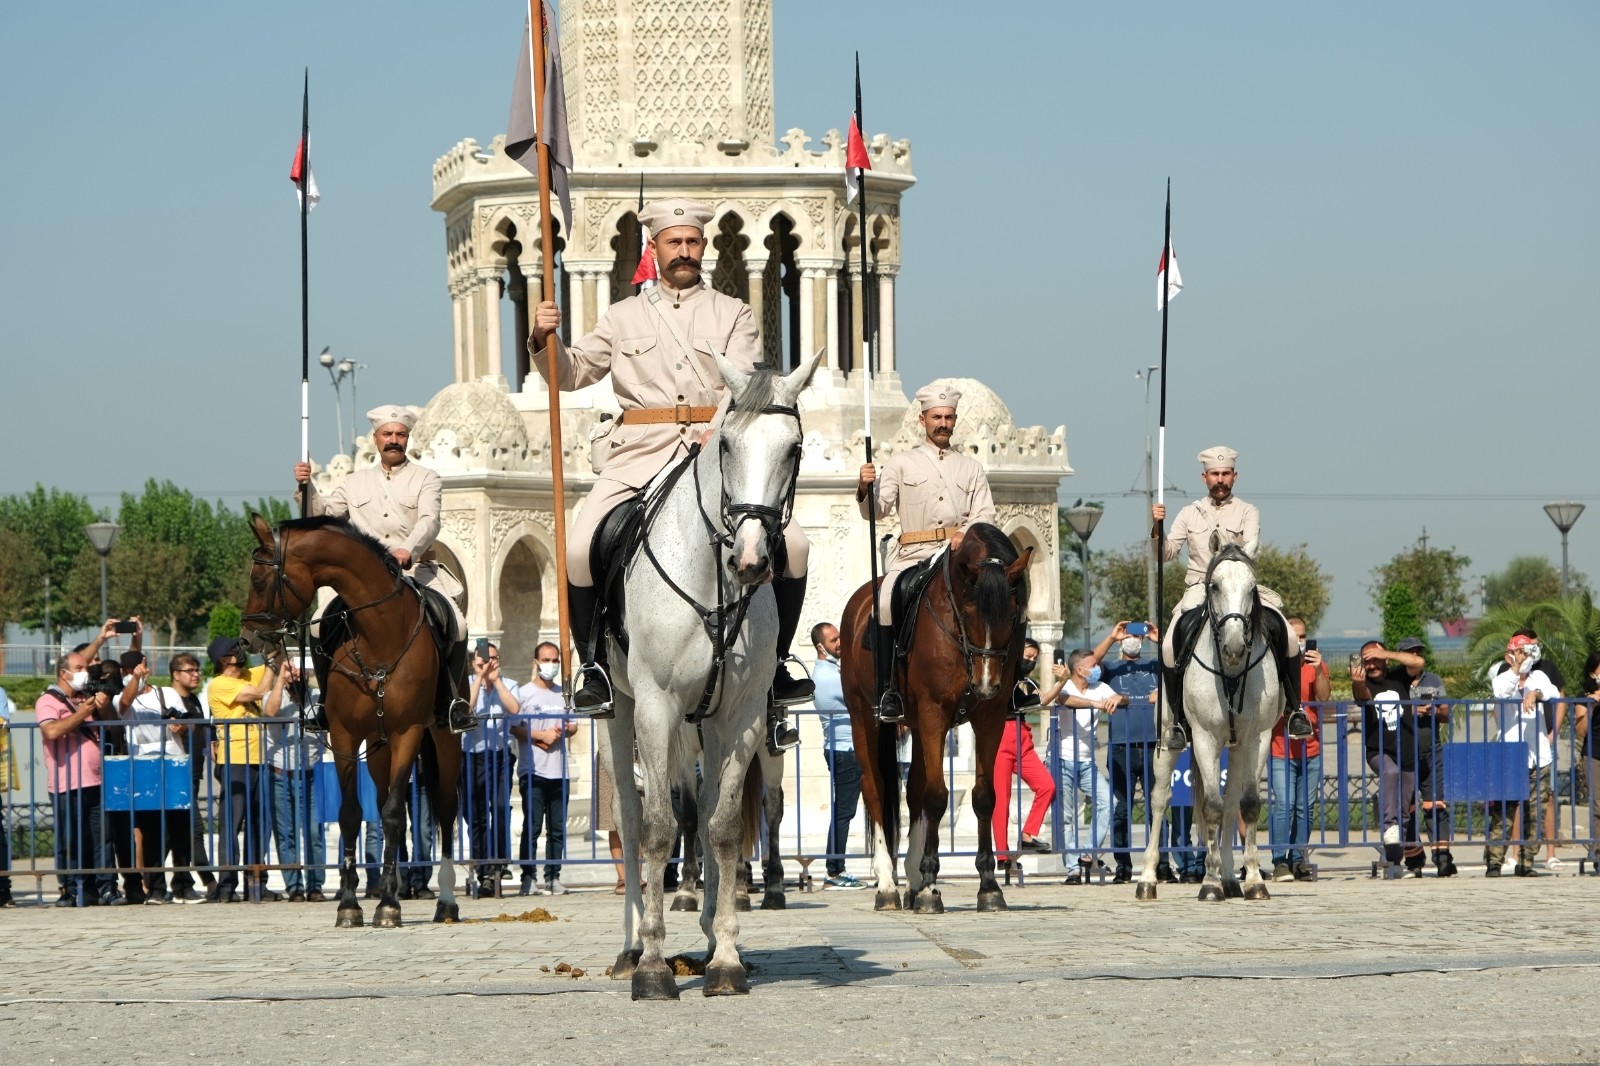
[[687, 966], [538, 914], [563, 967]]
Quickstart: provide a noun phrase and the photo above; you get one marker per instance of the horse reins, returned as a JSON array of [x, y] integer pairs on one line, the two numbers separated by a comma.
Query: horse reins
[[969, 651], [1233, 684]]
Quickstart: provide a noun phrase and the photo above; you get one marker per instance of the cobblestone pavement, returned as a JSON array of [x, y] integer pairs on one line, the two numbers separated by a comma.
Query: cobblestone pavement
[[1345, 969]]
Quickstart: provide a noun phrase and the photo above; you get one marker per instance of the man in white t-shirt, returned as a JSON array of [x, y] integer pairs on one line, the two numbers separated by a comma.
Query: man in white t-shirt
[[541, 728], [1085, 693], [164, 718], [293, 753], [1522, 690]]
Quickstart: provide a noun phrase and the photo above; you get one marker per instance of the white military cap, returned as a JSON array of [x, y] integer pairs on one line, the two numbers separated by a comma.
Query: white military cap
[[930, 396], [1218, 457], [678, 211], [392, 412]]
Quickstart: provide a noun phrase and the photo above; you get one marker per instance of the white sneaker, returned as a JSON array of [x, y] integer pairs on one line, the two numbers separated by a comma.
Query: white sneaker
[[554, 887], [1391, 835]]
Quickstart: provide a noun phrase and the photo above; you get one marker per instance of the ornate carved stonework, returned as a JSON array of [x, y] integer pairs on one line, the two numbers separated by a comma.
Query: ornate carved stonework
[[460, 528], [501, 522]]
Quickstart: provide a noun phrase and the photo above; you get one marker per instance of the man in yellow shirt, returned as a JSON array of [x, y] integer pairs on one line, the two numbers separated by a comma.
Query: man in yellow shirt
[[236, 693]]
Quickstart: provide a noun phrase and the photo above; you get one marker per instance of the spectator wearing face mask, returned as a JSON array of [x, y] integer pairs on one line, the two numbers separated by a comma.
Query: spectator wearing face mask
[[1016, 758], [73, 773], [1294, 768], [1523, 690], [1085, 693], [542, 727], [1132, 740]]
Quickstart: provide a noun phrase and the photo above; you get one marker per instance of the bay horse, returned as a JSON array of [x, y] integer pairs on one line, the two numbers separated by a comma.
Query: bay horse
[[702, 624], [380, 680], [1232, 696], [980, 591]]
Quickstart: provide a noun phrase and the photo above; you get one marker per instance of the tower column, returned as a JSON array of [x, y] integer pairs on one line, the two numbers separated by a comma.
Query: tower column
[[458, 331], [830, 299], [886, 357], [808, 312], [493, 354]]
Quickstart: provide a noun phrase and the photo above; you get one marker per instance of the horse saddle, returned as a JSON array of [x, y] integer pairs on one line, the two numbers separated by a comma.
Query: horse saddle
[[904, 600], [615, 544], [1185, 635], [436, 612]]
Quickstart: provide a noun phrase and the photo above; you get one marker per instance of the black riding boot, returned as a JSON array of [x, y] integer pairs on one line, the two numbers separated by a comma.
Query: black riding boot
[[593, 683], [890, 707], [1298, 726], [314, 719], [458, 718], [781, 736], [1176, 736]]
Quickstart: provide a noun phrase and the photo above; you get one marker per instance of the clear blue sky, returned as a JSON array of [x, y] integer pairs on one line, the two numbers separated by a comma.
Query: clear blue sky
[[1384, 215]]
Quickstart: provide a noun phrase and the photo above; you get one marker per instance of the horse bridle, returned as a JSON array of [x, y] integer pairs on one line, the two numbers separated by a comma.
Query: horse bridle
[[969, 651], [722, 625], [376, 675], [1233, 683]]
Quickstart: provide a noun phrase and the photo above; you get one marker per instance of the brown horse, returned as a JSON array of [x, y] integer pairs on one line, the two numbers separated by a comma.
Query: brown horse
[[380, 674], [961, 667]]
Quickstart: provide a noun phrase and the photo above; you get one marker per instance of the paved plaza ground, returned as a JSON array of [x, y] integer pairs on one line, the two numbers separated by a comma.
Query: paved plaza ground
[[1344, 969]]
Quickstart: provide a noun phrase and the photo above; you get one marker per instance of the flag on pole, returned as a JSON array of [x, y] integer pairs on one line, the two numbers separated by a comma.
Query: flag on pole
[[523, 133], [856, 160], [1167, 287], [305, 181]]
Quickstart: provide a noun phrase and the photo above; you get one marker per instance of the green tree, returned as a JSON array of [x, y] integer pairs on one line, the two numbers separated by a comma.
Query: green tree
[[22, 570], [1295, 576], [1120, 588], [1569, 632], [1435, 576], [52, 522], [1529, 579], [157, 582], [225, 621], [1402, 618]]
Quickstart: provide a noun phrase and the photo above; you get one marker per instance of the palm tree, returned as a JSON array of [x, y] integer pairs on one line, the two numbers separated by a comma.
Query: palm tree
[[1569, 631]]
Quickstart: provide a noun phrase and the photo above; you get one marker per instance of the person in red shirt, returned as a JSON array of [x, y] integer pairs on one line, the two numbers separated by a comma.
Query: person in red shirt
[[1294, 769]]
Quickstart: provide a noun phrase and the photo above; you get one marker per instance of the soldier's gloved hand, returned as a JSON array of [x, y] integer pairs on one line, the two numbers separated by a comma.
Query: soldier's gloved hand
[[401, 556], [546, 320]]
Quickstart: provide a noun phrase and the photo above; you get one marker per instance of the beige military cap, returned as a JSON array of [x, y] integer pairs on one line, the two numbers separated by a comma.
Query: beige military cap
[[1219, 457], [392, 412], [665, 214], [930, 396]]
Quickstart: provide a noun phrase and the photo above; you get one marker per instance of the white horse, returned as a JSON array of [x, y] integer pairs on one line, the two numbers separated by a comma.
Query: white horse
[[702, 626], [1232, 696]]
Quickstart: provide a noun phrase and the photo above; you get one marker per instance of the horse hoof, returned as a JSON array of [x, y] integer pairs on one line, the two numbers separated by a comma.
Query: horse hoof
[[386, 916], [728, 980], [622, 969], [774, 901], [349, 918], [991, 901], [1231, 890], [1145, 892], [1210, 892], [929, 902], [886, 901], [1257, 891], [446, 912], [741, 902], [654, 984], [685, 901]]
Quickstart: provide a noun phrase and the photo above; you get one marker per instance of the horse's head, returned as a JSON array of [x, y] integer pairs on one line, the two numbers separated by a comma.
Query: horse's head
[[1232, 605], [758, 449], [280, 589], [993, 599]]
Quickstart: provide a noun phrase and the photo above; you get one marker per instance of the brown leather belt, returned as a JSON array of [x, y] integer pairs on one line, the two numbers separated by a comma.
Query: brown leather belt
[[681, 414], [924, 536]]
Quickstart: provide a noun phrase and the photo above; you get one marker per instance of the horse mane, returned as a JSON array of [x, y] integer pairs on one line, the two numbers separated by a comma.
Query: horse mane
[[991, 594], [756, 399], [338, 525]]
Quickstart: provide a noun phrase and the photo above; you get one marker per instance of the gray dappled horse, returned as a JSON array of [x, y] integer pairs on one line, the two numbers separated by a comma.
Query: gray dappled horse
[[702, 627], [1232, 696]]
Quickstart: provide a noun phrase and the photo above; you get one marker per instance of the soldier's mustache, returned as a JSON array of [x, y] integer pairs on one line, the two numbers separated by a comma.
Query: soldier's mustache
[[684, 261], [393, 448]]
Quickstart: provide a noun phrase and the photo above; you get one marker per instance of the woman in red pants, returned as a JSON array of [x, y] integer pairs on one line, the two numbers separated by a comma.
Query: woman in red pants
[[1016, 756]]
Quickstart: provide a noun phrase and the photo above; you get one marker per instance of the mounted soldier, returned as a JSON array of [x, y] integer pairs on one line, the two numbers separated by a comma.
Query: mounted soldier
[[939, 493], [397, 503], [658, 347], [1206, 526]]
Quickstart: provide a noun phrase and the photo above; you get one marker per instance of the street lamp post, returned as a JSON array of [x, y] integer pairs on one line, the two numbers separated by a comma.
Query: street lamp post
[[1082, 518], [1564, 513], [327, 360], [103, 537]]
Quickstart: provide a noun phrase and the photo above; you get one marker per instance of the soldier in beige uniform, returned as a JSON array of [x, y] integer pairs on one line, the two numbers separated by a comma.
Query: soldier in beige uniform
[[1205, 526], [398, 502], [657, 347], [938, 494]]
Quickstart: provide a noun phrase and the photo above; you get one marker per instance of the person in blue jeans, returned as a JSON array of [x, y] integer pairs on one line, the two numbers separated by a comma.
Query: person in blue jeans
[[1086, 694], [541, 728], [1294, 770], [486, 770], [292, 757], [838, 749]]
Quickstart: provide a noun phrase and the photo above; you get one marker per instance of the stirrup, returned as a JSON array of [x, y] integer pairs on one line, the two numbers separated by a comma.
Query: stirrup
[[1177, 737], [1298, 727], [781, 736], [314, 719], [459, 717], [593, 698], [890, 707], [786, 690], [1024, 697]]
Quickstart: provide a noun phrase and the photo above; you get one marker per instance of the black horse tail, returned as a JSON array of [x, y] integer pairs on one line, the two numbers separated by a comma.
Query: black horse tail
[[889, 776], [428, 764]]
